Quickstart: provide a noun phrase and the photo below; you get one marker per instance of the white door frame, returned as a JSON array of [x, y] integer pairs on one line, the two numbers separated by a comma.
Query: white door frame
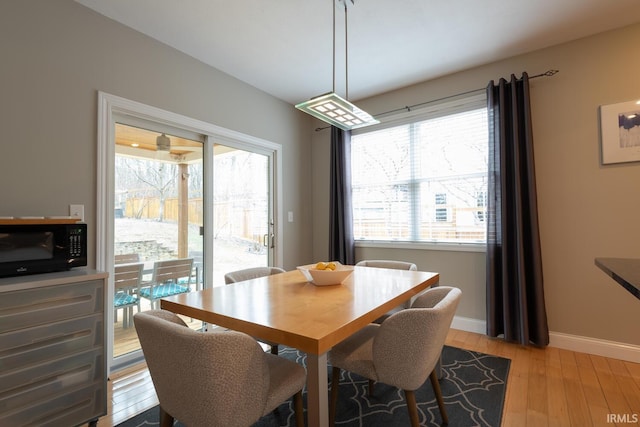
[[110, 106]]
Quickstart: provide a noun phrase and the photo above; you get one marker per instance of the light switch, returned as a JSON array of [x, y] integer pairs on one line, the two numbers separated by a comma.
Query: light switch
[[77, 211]]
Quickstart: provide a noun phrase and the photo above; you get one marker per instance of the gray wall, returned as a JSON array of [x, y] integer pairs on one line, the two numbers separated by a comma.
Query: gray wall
[[57, 55], [586, 210]]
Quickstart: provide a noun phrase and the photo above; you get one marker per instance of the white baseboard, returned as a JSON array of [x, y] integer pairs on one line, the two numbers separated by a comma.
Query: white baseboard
[[595, 346], [598, 347], [469, 325]]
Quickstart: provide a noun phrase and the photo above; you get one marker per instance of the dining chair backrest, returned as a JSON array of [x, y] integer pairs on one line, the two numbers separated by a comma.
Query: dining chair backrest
[[250, 273], [225, 370], [383, 263], [396, 265], [172, 270], [126, 258], [254, 273], [217, 378], [408, 344], [127, 276]]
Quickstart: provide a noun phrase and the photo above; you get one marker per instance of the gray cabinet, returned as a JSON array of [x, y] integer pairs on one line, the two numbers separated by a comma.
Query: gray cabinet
[[52, 349]]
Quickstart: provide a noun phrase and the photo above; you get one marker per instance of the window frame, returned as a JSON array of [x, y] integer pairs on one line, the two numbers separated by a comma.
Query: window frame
[[430, 110]]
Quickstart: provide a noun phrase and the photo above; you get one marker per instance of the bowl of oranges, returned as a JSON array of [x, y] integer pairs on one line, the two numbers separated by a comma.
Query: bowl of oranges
[[326, 273]]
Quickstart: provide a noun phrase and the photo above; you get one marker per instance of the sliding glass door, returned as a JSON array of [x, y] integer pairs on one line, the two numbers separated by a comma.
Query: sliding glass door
[[170, 189], [157, 226], [243, 226]]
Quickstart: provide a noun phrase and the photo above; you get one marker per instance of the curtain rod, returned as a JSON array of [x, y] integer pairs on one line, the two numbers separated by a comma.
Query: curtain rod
[[548, 73]]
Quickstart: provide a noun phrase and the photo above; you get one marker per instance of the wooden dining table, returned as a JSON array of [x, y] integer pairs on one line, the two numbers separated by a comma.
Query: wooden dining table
[[287, 309]]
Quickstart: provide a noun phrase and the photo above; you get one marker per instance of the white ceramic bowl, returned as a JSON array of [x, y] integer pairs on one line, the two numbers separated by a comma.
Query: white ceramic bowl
[[326, 277]]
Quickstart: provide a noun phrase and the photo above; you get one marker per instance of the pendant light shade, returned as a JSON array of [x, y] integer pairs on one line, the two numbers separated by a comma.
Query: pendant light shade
[[331, 107], [337, 111]]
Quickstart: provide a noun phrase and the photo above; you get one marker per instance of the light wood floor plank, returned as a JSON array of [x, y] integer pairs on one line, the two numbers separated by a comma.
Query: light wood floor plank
[[629, 387], [556, 401], [593, 392], [516, 403], [578, 409], [537, 410], [617, 404]]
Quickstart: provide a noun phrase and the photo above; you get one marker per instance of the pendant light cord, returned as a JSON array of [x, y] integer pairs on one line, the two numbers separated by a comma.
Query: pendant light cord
[[346, 49], [334, 45], [346, 54]]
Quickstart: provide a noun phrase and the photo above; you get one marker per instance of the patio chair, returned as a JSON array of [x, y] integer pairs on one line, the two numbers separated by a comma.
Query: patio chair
[[126, 281], [219, 378], [402, 351], [170, 277], [254, 273]]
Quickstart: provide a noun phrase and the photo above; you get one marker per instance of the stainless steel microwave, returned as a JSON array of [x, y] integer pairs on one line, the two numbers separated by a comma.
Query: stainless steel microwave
[[41, 248]]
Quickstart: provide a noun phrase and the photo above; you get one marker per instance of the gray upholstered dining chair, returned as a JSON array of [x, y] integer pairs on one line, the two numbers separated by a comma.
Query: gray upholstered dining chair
[[383, 263], [250, 273], [396, 265], [402, 351], [218, 378], [254, 273]]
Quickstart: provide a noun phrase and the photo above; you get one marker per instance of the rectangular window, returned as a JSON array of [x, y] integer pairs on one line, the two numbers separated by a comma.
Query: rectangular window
[[423, 177]]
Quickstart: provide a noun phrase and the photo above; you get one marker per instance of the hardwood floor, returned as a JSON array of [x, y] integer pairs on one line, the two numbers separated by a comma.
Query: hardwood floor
[[546, 387]]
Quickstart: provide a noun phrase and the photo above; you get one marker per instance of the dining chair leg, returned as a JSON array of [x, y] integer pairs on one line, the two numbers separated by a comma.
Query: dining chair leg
[[436, 390], [371, 386], [412, 407], [274, 349], [335, 386], [299, 410], [166, 420]]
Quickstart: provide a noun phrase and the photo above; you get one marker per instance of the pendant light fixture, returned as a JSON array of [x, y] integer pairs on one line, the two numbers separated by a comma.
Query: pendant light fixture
[[331, 107]]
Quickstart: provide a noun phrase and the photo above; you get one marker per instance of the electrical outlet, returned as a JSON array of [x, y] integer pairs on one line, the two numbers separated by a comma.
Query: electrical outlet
[[77, 211]]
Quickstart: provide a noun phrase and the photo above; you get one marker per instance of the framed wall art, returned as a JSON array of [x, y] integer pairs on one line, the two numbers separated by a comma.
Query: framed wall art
[[620, 132]]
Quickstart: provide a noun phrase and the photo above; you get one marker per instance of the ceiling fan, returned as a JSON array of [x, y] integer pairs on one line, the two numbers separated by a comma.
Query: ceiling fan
[[163, 143]]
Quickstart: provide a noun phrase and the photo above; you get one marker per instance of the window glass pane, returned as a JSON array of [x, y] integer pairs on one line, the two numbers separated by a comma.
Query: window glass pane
[[455, 217], [382, 212], [158, 202], [387, 153], [422, 181], [453, 145]]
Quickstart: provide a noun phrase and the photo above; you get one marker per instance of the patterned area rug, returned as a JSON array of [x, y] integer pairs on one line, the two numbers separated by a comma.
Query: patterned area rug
[[473, 387]]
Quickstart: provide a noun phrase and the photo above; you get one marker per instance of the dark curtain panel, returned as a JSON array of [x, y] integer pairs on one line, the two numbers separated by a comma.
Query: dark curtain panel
[[341, 246], [515, 294]]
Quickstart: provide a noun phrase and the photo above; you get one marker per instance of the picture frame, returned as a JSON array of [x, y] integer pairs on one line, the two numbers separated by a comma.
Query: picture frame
[[620, 132]]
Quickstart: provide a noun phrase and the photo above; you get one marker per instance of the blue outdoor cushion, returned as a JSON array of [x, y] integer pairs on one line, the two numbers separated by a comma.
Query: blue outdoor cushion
[[162, 291], [121, 299]]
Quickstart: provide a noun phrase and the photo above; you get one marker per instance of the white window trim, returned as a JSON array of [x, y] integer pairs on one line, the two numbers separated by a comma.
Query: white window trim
[[429, 110], [422, 246]]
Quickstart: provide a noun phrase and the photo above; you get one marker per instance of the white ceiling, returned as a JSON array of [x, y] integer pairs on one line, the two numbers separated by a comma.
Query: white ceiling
[[284, 47]]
